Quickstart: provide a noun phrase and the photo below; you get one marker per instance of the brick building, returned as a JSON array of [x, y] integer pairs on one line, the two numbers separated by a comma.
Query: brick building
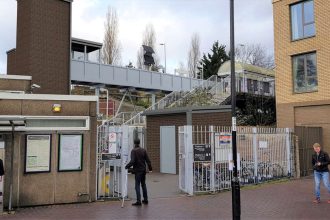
[[302, 30], [162, 131], [43, 42], [33, 148]]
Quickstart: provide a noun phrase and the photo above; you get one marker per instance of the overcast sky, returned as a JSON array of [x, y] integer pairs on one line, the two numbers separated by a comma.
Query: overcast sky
[[174, 21]]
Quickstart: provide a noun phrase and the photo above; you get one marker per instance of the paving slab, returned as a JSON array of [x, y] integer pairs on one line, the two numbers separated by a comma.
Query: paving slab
[[285, 200]]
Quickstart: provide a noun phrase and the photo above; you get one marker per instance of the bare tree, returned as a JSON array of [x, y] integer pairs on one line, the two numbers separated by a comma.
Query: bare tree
[[111, 50], [194, 55], [254, 54], [148, 39], [181, 70]]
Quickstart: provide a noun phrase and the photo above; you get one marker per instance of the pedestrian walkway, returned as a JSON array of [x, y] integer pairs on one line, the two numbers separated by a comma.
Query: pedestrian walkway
[[285, 200]]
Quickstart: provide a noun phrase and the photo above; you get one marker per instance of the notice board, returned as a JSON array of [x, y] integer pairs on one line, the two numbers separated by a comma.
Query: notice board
[[70, 152], [37, 153]]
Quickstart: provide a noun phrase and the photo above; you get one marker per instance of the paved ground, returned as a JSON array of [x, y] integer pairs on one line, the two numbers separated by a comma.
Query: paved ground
[[285, 200]]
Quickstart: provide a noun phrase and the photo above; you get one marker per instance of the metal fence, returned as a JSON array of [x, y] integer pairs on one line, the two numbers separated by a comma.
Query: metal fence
[[114, 145], [205, 151]]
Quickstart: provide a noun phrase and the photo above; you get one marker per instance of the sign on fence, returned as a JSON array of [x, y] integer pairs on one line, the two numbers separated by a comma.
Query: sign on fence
[[222, 146], [202, 152], [110, 157], [112, 149]]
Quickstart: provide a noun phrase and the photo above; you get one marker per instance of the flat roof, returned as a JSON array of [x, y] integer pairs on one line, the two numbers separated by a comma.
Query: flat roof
[[242, 67], [19, 77], [48, 97], [86, 42], [194, 109]]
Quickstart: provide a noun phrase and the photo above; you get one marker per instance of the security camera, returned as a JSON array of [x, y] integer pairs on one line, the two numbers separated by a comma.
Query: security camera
[[35, 86]]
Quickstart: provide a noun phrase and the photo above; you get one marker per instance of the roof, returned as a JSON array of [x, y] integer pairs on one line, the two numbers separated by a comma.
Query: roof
[[219, 108], [48, 97], [18, 77], [244, 67], [11, 50], [86, 42]]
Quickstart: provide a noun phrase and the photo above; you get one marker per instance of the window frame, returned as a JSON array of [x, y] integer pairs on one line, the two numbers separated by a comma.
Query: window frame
[[305, 71], [303, 20]]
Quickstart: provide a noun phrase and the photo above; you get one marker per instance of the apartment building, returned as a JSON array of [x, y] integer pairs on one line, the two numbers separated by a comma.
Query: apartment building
[[302, 57]]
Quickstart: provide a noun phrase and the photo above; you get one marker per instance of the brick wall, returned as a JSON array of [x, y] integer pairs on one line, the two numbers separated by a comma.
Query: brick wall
[[215, 118], [155, 121], [153, 135], [43, 44], [286, 99], [285, 48], [15, 85], [11, 62]]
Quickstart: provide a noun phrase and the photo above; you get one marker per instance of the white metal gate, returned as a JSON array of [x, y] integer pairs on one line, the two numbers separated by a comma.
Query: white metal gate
[[112, 156], [185, 160], [205, 151], [114, 146]]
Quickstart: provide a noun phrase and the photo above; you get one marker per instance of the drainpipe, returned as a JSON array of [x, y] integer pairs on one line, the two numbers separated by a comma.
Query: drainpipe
[[11, 165]]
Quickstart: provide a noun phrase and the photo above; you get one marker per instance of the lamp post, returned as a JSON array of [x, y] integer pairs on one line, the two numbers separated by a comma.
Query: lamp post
[[236, 203], [163, 44]]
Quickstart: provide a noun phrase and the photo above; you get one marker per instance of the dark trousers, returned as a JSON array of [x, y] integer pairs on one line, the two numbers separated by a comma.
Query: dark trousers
[[140, 179]]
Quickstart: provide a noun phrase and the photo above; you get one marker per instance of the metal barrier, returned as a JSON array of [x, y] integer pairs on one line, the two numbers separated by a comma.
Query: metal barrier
[[114, 146], [205, 151]]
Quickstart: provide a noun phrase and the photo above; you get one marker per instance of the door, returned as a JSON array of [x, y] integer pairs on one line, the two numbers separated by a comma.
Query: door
[[307, 136], [167, 150]]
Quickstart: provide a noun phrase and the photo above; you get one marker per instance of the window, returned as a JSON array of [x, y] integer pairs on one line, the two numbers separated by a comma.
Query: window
[[304, 73], [255, 85], [266, 87], [250, 85], [302, 20]]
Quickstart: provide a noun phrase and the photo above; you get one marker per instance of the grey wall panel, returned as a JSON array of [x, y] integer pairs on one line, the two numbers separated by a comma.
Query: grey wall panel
[[77, 70], [167, 82], [133, 77], [186, 84], [176, 83], [145, 78], [92, 73], [156, 80], [194, 83], [120, 76], [106, 74]]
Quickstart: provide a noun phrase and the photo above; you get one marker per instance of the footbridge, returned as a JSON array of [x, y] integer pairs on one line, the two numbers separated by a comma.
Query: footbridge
[[87, 69]]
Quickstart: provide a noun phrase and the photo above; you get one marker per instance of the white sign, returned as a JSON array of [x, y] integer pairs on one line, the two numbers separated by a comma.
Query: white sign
[[231, 162], [37, 153], [2, 144], [263, 144], [233, 119], [112, 137], [70, 152], [222, 146], [112, 148]]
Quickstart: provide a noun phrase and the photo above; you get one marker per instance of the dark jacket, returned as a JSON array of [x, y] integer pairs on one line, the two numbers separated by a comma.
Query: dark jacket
[[323, 158], [139, 158], [2, 170]]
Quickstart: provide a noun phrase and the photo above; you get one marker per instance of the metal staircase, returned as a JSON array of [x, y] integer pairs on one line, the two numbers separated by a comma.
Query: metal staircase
[[211, 92]]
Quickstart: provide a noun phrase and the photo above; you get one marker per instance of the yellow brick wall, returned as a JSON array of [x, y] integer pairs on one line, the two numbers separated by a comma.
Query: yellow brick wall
[[285, 48]]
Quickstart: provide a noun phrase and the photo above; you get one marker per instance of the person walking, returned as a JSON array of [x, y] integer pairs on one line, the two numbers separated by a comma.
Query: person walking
[[320, 161], [139, 159]]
